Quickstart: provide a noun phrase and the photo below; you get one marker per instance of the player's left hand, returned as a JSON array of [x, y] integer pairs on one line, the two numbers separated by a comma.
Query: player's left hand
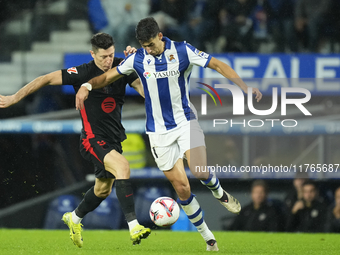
[[81, 96], [129, 50], [6, 101], [258, 94]]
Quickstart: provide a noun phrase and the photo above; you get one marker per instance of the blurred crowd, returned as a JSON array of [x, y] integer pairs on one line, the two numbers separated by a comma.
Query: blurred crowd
[[231, 25], [304, 209], [265, 26]]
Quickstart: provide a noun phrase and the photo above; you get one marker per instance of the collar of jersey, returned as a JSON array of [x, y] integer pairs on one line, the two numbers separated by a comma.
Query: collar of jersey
[[167, 42]]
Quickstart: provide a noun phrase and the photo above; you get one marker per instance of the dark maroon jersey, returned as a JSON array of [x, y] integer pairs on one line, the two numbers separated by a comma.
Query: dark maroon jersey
[[101, 116]]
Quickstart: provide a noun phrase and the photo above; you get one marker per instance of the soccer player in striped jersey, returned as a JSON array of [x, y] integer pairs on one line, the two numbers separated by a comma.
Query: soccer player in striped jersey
[[164, 68]]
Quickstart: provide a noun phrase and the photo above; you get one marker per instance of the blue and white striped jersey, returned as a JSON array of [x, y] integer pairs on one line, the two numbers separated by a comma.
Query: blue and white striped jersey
[[165, 79]]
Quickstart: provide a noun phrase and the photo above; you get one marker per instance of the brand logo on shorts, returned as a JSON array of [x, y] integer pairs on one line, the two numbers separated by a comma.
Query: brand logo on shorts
[[108, 105], [101, 143]]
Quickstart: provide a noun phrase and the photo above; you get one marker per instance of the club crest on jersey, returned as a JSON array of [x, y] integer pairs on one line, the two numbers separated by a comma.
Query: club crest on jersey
[[149, 61], [172, 58], [72, 70], [147, 75], [201, 54]]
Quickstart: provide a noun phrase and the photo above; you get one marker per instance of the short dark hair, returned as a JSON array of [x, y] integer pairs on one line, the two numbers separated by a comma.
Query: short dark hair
[[261, 183], [310, 182], [146, 29], [101, 41]]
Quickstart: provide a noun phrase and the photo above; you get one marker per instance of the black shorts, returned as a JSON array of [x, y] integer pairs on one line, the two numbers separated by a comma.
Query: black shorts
[[94, 150]]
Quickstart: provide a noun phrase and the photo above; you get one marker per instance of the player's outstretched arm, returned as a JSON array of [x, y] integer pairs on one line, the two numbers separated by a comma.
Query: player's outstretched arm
[[100, 81], [105, 79], [230, 74], [54, 78], [96, 83]]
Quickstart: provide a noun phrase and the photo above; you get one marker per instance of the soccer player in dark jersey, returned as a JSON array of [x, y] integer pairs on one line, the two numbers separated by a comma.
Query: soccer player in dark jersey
[[101, 135]]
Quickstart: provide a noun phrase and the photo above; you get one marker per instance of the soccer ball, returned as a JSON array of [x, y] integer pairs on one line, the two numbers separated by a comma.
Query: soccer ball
[[164, 211]]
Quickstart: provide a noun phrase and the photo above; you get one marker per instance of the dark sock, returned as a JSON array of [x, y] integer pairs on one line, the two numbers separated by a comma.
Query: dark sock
[[88, 204], [125, 197]]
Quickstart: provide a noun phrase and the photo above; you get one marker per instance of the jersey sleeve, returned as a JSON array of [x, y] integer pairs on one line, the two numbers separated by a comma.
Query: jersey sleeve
[[131, 78], [128, 78], [75, 75], [126, 66], [197, 57]]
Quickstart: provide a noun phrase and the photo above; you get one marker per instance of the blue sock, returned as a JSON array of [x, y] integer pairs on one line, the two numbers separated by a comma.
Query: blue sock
[[213, 184], [194, 212]]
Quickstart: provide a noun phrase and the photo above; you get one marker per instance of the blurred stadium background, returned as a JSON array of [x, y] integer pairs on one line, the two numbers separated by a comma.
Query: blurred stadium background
[[42, 173]]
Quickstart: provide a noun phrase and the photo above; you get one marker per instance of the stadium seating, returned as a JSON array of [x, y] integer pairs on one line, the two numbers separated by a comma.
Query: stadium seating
[[107, 215], [56, 209], [143, 200]]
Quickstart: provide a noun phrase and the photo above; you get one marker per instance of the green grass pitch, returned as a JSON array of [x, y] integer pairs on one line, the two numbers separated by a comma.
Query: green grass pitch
[[57, 242]]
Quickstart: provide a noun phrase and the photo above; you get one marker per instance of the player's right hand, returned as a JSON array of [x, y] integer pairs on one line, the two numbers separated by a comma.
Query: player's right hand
[[7, 101], [81, 96], [129, 50]]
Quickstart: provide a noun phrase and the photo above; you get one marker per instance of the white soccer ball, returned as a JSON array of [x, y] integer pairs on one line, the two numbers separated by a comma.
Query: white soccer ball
[[164, 211]]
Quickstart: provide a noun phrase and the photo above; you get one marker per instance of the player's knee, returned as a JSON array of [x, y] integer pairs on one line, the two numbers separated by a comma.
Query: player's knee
[[103, 192], [124, 170], [183, 191], [201, 175], [118, 166]]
